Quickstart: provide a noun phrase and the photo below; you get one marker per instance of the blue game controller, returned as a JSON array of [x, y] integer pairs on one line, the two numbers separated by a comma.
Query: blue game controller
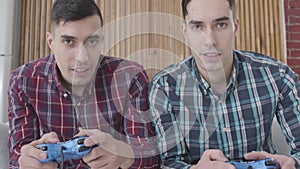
[[267, 163], [73, 149]]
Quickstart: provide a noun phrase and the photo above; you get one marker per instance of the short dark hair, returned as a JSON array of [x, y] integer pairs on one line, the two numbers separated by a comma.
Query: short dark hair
[[185, 3], [73, 10]]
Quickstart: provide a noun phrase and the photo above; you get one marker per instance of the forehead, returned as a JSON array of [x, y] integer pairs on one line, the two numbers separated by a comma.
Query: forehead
[[80, 28], [207, 10]]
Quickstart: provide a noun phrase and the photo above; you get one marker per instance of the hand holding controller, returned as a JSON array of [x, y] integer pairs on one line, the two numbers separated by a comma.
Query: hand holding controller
[[267, 163], [73, 149]]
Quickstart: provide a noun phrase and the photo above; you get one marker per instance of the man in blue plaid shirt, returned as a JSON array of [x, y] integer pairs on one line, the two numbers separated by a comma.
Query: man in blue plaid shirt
[[219, 103]]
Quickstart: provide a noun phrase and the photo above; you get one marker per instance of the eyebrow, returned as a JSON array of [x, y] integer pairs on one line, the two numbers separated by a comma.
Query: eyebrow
[[67, 37], [194, 22], [94, 36]]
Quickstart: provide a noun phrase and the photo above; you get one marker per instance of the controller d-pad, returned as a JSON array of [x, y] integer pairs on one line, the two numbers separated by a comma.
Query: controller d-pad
[[83, 148], [270, 163]]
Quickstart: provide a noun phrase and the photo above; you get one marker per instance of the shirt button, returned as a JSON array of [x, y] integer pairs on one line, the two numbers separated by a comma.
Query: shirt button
[[225, 130], [65, 95], [78, 104]]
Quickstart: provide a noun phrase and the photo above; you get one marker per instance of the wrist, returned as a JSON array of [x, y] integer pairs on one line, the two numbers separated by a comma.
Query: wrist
[[127, 155], [127, 163]]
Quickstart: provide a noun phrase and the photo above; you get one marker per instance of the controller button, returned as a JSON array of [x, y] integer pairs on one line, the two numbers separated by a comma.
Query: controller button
[[270, 163], [83, 148], [250, 167], [63, 148], [80, 141], [44, 148]]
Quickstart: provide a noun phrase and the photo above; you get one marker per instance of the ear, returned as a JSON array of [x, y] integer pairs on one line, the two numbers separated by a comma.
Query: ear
[[236, 25], [183, 29], [49, 37], [102, 40]]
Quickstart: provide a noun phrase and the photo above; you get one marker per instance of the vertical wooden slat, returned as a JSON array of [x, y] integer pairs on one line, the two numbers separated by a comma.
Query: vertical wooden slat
[[276, 33], [138, 29], [281, 30], [32, 30], [117, 29], [48, 28], [123, 30], [23, 33], [271, 28], [267, 26], [238, 33], [38, 30], [252, 25], [247, 29], [243, 25], [257, 29], [43, 27], [127, 29], [27, 31], [106, 18]]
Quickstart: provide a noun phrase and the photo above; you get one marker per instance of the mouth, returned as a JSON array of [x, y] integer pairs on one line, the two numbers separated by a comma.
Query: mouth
[[212, 57], [80, 71]]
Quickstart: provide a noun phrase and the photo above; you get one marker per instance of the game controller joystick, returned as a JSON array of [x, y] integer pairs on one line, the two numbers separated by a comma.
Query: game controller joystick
[[267, 163], [73, 149]]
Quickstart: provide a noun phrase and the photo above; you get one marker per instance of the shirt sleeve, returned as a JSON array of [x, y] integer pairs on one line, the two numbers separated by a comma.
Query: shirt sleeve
[[23, 121], [288, 112], [173, 152], [139, 129]]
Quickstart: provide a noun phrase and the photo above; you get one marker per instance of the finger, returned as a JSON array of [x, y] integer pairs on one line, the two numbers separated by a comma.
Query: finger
[[33, 152], [28, 162], [94, 154], [285, 161], [46, 138], [32, 163], [214, 155], [84, 132], [254, 155], [95, 158], [95, 137]]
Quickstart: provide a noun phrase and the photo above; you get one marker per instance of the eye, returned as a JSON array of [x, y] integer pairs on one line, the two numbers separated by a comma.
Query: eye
[[68, 42], [93, 41], [196, 27], [221, 25]]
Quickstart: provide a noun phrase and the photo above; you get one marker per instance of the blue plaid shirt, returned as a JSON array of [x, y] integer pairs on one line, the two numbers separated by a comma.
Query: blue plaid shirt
[[190, 119]]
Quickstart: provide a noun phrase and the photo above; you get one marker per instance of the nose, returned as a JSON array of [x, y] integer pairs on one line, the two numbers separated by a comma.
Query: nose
[[82, 55], [210, 37]]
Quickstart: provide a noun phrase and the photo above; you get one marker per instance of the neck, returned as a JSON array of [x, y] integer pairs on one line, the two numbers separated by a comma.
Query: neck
[[218, 79], [74, 90]]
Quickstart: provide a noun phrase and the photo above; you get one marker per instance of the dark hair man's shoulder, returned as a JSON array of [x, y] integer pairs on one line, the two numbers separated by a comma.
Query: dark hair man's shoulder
[[258, 61], [256, 58], [42, 66]]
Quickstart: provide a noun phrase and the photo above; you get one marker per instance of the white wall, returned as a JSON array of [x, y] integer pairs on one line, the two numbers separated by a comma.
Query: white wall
[[10, 28]]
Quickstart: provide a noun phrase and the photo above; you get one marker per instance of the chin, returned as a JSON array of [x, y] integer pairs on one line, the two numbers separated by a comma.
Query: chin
[[80, 82]]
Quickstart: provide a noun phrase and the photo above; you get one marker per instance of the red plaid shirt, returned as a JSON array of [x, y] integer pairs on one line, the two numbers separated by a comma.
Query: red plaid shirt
[[116, 103]]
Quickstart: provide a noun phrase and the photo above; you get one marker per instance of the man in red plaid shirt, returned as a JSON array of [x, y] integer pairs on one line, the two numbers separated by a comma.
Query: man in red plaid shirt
[[77, 91]]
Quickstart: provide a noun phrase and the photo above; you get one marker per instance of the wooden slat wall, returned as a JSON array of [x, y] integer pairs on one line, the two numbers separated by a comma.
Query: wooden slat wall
[[154, 39], [261, 27]]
